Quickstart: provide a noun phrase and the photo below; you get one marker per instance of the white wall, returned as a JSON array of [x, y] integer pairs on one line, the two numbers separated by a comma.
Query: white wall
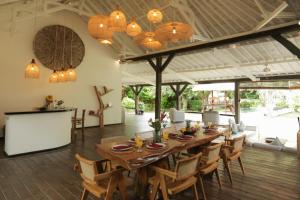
[[97, 68]]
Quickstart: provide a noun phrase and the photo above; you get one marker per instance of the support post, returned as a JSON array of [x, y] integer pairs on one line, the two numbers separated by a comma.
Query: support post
[[178, 92], [237, 101], [159, 67], [136, 90]]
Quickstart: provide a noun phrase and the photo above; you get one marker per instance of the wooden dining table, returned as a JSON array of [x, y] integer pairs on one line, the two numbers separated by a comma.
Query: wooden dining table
[[134, 160]]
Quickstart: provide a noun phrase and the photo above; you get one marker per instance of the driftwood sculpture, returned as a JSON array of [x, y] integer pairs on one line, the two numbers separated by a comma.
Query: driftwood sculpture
[[99, 113]]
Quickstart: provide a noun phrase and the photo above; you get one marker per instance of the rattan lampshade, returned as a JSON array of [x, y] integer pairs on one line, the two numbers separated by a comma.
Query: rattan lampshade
[[105, 37], [32, 70], [117, 21], [148, 40], [133, 29], [71, 74], [62, 77], [97, 25], [154, 16], [53, 77], [174, 32]]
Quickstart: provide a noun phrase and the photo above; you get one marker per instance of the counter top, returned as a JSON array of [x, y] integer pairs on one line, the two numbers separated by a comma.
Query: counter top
[[39, 111]]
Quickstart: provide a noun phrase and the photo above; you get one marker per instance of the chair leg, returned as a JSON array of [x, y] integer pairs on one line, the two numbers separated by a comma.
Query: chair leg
[[218, 178], [122, 187], [84, 194], [163, 187], [228, 170], [241, 164], [202, 187], [196, 192], [154, 188]]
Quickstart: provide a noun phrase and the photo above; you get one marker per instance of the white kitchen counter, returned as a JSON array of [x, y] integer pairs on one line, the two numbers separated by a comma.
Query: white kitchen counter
[[32, 131]]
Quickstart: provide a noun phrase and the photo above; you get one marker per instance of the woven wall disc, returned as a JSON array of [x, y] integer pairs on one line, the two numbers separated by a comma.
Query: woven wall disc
[[53, 46]]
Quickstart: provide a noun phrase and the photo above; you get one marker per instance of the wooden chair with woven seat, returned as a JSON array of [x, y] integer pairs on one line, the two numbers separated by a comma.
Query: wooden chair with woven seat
[[173, 182], [232, 151], [100, 184], [78, 121], [209, 163]]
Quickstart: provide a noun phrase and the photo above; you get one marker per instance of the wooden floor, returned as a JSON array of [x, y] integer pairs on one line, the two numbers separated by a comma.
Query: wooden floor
[[49, 175]]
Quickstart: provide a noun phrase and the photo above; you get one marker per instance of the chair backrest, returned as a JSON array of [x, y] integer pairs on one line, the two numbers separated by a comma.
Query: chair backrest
[[88, 169], [212, 153], [114, 139], [187, 167], [210, 116], [237, 144]]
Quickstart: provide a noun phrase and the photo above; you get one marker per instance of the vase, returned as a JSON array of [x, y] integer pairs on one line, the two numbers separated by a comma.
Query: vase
[[156, 136]]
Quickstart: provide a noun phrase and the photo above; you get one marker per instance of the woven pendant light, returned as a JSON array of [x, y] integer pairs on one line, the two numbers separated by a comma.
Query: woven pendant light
[[133, 29], [98, 29], [105, 37], [117, 21], [154, 16], [61, 76], [148, 40], [32, 70], [53, 77], [174, 32], [71, 74]]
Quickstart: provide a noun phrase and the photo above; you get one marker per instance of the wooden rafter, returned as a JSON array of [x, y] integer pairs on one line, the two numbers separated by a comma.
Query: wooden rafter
[[287, 44]]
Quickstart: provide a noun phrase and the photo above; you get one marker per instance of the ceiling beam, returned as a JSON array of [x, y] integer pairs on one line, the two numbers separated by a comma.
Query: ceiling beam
[[2, 2], [251, 35], [271, 16], [181, 76], [287, 44], [138, 78]]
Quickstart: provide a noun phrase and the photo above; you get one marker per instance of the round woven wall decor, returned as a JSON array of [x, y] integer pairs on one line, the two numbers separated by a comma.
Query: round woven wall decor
[[53, 46]]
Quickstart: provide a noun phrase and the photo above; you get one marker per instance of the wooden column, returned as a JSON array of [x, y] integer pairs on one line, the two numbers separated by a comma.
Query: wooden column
[[159, 67], [237, 101], [178, 92], [136, 90]]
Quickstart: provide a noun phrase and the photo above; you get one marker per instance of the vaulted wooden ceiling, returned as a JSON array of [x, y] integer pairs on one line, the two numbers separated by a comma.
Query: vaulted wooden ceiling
[[211, 19]]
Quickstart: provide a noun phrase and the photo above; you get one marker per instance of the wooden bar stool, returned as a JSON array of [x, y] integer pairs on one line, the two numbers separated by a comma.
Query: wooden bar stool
[[78, 121]]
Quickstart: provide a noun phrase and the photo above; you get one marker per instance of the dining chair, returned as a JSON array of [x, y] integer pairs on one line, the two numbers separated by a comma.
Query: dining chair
[[178, 180], [78, 121], [209, 163], [232, 151], [100, 183]]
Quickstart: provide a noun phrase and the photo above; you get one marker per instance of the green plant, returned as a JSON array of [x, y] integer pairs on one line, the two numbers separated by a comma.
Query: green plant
[[281, 104], [128, 103]]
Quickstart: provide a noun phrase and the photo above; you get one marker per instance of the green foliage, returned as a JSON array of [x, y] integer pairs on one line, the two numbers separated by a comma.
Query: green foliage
[[247, 104], [128, 103], [296, 103], [168, 99], [249, 94], [147, 95], [281, 104], [194, 105]]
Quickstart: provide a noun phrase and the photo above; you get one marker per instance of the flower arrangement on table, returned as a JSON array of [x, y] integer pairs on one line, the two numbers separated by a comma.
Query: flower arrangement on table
[[157, 124], [189, 129]]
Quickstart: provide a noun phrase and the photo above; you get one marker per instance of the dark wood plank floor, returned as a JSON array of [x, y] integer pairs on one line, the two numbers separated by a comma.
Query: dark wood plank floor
[[49, 175]]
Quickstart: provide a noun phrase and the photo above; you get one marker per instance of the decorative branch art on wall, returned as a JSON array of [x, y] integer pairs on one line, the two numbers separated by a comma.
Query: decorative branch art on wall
[[101, 91], [54, 44]]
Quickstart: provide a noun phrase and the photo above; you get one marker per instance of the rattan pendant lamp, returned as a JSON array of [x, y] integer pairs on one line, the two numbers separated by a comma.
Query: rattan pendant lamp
[[71, 73], [174, 32], [133, 28], [117, 21], [154, 16], [148, 40], [32, 70], [98, 27]]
